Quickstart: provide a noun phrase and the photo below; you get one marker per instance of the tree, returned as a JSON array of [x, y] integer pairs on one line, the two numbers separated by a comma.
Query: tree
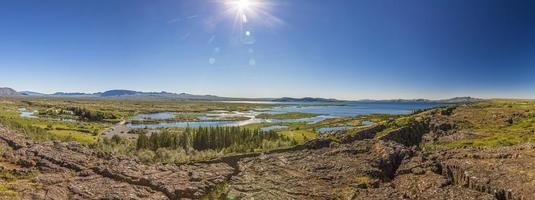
[[142, 141]]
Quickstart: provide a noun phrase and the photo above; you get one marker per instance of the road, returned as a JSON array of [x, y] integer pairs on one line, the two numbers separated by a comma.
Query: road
[[118, 129]]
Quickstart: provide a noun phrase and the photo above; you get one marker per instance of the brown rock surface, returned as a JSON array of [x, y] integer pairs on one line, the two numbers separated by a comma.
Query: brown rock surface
[[74, 171], [360, 170]]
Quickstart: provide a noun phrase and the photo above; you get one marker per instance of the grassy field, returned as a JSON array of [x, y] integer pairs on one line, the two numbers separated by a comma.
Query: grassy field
[[492, 123], [90, 117], [48, 129]]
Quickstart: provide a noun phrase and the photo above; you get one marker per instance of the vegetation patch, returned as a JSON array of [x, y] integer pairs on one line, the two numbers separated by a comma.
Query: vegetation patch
[[193, 144], [50, 129], [493, 123], [392, 125], [7, 191], [69, 135], [300, 136]]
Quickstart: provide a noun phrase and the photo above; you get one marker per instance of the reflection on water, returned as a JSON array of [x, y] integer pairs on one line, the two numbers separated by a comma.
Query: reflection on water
[[351, 109], [28, 114], [366, 123], [252, 120], [325, 110], [33, 114], [161, 115]]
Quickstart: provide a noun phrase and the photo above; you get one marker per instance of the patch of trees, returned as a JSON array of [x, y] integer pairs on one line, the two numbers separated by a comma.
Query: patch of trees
[[211, 138], [91, 115]]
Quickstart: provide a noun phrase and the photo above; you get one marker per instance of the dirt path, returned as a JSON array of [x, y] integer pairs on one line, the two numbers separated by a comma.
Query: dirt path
[[118, 129]]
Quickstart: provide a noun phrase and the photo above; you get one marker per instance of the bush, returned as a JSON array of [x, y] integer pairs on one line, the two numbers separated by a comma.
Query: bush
[[146, 155]]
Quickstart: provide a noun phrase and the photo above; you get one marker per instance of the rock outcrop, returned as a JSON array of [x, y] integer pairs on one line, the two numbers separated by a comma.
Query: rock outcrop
[[363, 165], [74, 171]]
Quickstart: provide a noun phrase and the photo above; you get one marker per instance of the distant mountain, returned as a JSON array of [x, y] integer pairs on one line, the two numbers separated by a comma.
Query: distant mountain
[[452, 100], [5, 91], [394, 100], [30, 93], [306, 99], [70, 94], [114, 93], [461, 100], [131, 94], [163, 94]]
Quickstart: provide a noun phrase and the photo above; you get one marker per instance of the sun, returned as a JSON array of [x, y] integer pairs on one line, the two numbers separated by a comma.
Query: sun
[[243, 6], [249, 14]]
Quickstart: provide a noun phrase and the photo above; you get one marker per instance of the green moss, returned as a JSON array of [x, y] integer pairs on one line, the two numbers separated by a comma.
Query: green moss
[[362, 179], [69, 135], [7, 191], [497, 140], [300, 136]]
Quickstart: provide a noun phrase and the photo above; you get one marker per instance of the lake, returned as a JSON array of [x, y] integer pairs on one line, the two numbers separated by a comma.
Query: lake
[[325, 110], [348, 109], [28, 114]]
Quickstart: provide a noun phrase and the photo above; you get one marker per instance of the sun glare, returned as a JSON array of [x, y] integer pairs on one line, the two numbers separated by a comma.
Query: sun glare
[[243, 6], [246, 11], [247, 15]]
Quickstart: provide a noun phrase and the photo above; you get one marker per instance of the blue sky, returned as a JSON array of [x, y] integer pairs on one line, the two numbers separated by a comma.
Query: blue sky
[[348, 49]]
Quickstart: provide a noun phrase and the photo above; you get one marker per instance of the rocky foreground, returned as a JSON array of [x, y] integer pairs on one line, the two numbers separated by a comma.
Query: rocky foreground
[[371, 163]]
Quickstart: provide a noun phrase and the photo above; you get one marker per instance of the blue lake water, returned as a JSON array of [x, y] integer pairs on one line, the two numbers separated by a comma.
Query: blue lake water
[[356, 108], [33, 114], [161, 115], [325, 110], [224, 123], [28, 114], [366, 123]]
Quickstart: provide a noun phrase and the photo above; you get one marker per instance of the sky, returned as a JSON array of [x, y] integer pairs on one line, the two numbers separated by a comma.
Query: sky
[[346, 49]]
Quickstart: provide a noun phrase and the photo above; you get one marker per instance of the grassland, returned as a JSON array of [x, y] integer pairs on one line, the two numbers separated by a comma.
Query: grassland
[[84, 127], [491, 123], [49, 129]]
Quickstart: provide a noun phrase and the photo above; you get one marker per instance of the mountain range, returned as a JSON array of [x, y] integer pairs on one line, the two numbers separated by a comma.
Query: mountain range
[[131, 94]]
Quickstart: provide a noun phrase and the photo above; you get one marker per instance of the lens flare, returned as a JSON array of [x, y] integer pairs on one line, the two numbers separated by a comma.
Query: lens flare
[[248, 15], [252, 11], [243, 6]]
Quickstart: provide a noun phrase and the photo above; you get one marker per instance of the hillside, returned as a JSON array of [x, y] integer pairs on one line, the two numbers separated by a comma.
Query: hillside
[[30, 93], [112, 93], [482, 150], [131, 94], [4, 91], [451, 100]]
